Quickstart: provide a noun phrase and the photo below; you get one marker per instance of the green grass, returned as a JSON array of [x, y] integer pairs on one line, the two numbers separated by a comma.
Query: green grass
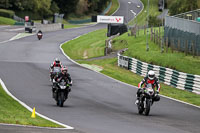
[[87, 46], [175, 60], [6, 21], [114, 7], [153, 11], [94, 42], [12, 112]]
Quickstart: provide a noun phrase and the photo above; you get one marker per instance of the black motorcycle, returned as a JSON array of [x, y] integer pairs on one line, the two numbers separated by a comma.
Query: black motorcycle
[[146, 100], [61, 90], [39, 34]]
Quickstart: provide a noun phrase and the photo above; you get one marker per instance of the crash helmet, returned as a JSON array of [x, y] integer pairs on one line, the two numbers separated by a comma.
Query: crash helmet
[[151, 75], [57, 61], [64, 70]]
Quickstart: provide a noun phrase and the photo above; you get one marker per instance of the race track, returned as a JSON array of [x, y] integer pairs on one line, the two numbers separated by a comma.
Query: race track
[[97, 103]]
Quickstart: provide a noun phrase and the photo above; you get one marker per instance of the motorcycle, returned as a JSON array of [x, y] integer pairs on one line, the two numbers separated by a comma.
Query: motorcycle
[[60, 91], [54, 72], [39, 35], [146, 100]]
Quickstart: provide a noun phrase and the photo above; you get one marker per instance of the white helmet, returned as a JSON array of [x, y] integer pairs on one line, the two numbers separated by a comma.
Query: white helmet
[[151, 75]]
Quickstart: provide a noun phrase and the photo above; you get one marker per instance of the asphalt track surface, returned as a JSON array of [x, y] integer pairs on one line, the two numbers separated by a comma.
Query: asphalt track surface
[[97, 104]]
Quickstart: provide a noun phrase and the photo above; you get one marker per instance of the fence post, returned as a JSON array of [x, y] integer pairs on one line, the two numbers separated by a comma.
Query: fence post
[[144, 29], [186, 48], [172, 45], [151, 33], [167, 44], [179, 44], [159, 42], [193, 49], [154, 36]]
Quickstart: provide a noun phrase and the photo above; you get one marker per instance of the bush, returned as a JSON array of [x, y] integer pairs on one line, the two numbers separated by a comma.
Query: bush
[[154, 21], [7, 13]]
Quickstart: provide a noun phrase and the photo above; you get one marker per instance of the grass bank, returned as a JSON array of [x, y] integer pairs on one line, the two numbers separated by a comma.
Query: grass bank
[[12, 112], [87, 46], [175, 60], [93, 44], [6, 21]]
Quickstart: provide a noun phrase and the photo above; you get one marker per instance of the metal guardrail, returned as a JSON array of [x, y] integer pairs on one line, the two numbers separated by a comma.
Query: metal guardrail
[[185, 25], [180, 80]]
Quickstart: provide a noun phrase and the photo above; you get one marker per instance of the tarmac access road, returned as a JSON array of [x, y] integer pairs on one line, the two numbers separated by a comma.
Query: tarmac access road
[[97, 103], [7, 32]]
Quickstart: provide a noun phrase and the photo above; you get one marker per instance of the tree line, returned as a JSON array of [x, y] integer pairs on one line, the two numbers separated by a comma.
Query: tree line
[[46, 8], [181, 6]]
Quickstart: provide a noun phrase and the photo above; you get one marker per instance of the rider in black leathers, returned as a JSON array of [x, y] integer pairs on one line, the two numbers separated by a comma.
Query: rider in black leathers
[[63, 75]]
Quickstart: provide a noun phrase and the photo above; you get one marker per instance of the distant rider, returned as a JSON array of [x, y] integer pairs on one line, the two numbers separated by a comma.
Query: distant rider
[[149, 79], [56, 63]]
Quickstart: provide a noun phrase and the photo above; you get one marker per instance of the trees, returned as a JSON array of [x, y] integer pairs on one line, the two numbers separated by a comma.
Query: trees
[[180, 6], [46, 8]]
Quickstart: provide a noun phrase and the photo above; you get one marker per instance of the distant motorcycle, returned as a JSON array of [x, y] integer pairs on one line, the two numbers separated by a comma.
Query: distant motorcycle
[[61, 90], [145, 100], [39, 34]]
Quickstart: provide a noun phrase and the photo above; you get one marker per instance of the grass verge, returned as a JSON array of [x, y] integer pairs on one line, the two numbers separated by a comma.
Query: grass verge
[[175, 60], [87, 46], [94, 42], [6, 21], [12, 112], [68, 26]]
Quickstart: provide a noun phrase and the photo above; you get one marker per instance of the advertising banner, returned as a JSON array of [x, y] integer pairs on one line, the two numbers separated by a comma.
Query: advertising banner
[[110, 19]]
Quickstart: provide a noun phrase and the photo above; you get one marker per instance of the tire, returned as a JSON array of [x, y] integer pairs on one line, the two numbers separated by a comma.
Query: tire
[[148, 106], [61, 98], [140, 107]]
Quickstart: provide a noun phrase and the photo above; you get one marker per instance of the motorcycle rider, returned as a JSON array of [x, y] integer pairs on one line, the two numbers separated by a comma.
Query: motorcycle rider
[[56, 63], [149, 79], [63, 75]]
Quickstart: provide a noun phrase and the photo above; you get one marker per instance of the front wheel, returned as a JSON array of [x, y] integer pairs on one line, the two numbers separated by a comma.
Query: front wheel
[[61, 98], [147, 107], [140, 106]]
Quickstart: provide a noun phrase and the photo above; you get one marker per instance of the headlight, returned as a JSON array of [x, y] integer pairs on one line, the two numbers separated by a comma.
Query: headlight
[[62, 87]]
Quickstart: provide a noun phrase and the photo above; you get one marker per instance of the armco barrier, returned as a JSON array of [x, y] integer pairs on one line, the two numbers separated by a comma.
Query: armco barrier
[[48, 27], [168, 76]]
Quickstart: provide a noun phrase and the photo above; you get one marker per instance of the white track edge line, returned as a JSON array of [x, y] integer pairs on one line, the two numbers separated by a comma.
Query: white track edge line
[[116, 79], [30, 109]]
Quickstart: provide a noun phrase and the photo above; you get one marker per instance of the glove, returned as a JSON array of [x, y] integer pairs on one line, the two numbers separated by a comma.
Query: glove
[[70, 83]]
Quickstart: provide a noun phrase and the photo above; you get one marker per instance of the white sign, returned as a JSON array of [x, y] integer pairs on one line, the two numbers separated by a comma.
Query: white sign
[[123, 63], [110, 19]]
